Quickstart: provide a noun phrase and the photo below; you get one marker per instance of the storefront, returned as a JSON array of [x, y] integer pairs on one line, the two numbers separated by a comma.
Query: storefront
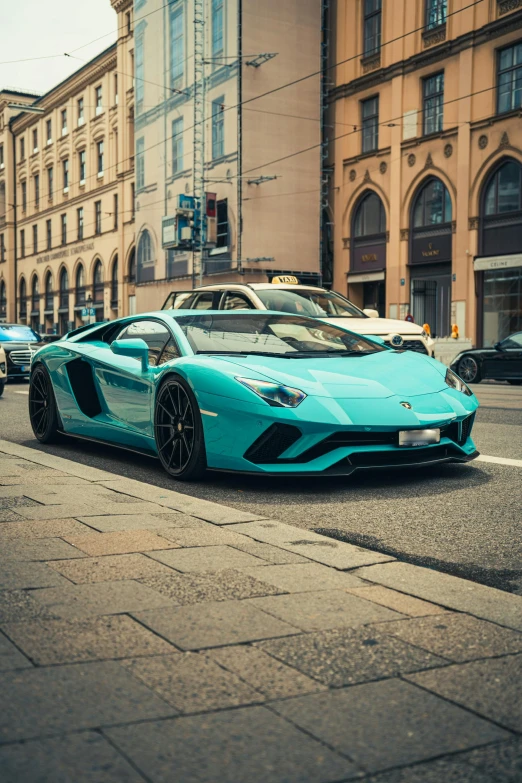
[[499, 289], [366, 278]]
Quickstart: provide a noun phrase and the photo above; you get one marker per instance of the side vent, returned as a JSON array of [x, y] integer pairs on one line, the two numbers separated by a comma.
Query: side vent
[[84, 388], [273, 442]]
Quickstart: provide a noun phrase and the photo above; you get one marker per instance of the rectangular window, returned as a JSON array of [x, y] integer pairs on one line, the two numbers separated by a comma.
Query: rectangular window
[[177, 145], [128, 18], [35, 140], [79, 213], [115, 88], [115, 210], [97, 217], [35, 239], [436, 12], [218, 128], [139, 64], [24, 195], [177, 54], [222, 223], [509, 79], [65, 164], [49, 234], [22, 149], [133, 201], [370, 124], [372, 27], [81, 160], [63, 219], [217, 31], [81, 116], [37, 191], [22, 243], [2, 163], [433, 103], [49, 131], [50, 182], [2, 249], [140, 163], [64, 121], [98, 99], [99, 157]]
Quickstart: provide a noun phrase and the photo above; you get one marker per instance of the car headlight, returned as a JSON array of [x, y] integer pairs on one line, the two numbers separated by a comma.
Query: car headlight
[[274, 393], [2, 366], [455, 382]]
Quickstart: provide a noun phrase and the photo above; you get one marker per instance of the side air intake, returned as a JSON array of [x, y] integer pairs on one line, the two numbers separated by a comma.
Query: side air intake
[[83, 387], [273, 442]]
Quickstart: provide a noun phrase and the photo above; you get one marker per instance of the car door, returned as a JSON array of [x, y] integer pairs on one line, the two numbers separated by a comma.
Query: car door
[[511, 348], [204, 300], [236, 300]]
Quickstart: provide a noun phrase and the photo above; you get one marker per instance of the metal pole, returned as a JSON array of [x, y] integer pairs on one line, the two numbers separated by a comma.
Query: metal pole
[[199, 137]]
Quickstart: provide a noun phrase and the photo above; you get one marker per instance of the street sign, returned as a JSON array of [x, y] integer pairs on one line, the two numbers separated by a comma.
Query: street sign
[[88, 311]]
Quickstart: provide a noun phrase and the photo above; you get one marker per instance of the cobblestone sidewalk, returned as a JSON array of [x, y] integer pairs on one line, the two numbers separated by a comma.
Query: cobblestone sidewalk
[[149, 636]]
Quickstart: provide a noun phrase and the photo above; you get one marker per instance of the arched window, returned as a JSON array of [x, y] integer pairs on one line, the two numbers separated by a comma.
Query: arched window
[[370, 218], [432, 205], [48, 292], [501, 210], [3, 300], [114, 284], [145, 258], [368, 252], [504, 191], [132, 266], [35, 295], [23, 298], [64, 288], [97, 282], [80, 285]]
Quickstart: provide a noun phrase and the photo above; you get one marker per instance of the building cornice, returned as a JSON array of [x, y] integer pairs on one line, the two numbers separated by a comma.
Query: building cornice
[[499, 27], [121, 5]]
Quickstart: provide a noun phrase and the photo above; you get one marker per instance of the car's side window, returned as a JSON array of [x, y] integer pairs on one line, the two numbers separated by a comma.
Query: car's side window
[[170, 351], [203, 301], [236, 301], [514, 341], [156, 335]]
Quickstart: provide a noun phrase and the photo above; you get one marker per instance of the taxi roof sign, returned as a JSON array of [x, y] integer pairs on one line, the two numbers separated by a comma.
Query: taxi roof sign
[[285, 279]]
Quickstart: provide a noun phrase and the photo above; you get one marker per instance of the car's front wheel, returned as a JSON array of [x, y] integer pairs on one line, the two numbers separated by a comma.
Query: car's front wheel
[[178, 430], [43, 412], [469, 370]]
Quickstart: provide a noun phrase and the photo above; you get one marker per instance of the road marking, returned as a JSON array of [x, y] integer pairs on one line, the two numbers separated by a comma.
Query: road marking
[[21, 392], [516, 463]]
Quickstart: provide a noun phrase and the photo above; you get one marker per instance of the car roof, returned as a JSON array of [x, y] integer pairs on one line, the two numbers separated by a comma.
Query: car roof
[[256, 287]]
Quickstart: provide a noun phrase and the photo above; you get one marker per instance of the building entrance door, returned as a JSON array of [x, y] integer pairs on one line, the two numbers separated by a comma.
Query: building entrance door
[[431, 303], [374, 296]]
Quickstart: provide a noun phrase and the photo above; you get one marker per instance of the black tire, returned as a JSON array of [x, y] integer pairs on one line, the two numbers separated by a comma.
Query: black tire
[[43, 412], [469, 370], [515, 383], [2, 386], [178, 430]]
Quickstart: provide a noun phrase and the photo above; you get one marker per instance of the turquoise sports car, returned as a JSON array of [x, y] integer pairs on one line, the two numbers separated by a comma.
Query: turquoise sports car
[[250, 391]]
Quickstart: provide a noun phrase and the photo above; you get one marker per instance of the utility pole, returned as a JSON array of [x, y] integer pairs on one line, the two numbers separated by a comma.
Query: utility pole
[[198, 166]]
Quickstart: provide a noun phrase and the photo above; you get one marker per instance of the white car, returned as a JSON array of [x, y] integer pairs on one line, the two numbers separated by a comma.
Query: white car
[[291, 297], [3, 370]]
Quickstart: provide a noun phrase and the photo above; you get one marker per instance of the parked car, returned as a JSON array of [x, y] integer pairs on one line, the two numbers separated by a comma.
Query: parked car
[[502, 362], [51, 338], [20, 343], [251, 392], [3, 370], [291, 297]]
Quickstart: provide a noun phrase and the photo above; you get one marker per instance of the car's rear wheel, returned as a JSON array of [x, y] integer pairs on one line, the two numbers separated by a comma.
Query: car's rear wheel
[[43, 412], [179, 431], [469, 370]]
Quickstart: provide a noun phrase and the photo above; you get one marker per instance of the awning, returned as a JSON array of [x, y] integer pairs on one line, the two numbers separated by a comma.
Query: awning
[[497, 262], [365, 277]]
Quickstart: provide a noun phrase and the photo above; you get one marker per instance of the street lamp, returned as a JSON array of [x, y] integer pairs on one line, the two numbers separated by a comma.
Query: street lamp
[[88, 304]]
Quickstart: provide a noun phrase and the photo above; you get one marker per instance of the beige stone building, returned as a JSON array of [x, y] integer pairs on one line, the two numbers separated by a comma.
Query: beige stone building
[[426, 195], [66, 194]]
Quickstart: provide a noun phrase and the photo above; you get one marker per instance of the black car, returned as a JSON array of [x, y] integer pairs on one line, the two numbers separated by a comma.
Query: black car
[[502, 362], [19, 343]]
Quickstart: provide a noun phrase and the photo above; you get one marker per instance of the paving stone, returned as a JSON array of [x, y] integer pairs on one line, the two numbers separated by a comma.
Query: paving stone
[[6, 515], [492, 688], [53, 528], [40, 549], [192, 682], [213, 624], [388, 723], [63, 641], [324, 550], [83, 758], [61, 479], [211, 536], [110, 568], [11, 658], [15, 500], [405, 604], [207, 558], [225, 585], [450, 591], [326, 609], [90, 493], [272, 554], [120, 543], [80, 601], [176, 519], [248, 744], [16, 575], [270, 677], [83, 509], [305, 577], [457, 637], [18, 605], [349, 656], [130, 521], [47, 700]]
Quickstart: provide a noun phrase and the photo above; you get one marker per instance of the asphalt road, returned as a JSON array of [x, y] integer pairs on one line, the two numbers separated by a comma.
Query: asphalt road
[[462, 519]]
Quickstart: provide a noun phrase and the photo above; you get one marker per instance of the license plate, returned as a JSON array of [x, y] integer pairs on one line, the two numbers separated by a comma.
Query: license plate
[[418, 437]]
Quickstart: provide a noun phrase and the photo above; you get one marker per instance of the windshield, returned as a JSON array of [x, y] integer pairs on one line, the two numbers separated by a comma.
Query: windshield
[[176, 299], [280, 335], [19, 334], [318, 304]]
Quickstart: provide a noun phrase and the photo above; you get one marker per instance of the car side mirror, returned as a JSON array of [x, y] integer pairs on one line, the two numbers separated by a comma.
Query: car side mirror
[[498, 346], [371, 313], [135, 349]]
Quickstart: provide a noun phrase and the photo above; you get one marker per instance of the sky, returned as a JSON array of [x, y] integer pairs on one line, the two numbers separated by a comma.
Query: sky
[[33, 28]]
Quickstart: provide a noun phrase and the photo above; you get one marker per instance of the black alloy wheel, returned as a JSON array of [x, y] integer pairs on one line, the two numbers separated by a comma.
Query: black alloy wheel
[[468, 370], [42, 406], [178, 430]]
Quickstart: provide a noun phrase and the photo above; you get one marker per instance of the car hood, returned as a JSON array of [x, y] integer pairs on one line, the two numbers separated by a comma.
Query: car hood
[[378, 375], [380, 326], [12, 345]]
